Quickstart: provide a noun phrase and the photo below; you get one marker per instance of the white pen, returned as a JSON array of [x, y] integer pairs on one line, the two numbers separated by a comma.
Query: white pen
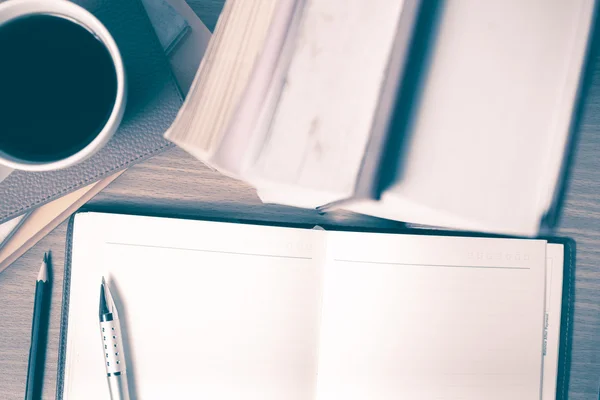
[[112, 343]]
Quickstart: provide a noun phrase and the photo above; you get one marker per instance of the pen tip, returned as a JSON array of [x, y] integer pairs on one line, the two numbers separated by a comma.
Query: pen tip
[[43, 274], [104, 306]]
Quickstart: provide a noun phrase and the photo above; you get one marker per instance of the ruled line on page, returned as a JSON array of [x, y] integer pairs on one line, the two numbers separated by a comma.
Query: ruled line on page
[[209, 251], [425, 265]]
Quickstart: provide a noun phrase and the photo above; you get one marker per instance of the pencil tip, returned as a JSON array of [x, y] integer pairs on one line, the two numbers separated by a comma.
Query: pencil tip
[[43, 274]]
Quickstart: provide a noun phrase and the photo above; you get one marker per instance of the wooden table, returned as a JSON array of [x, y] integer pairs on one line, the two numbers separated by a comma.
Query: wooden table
[[174, 183]]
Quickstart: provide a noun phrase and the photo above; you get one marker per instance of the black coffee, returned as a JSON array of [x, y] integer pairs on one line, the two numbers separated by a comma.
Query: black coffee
[[58, 86]]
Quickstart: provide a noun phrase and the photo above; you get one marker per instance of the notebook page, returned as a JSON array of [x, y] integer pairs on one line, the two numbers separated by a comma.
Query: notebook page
[[210, 310], [426, 317], [554, 282]]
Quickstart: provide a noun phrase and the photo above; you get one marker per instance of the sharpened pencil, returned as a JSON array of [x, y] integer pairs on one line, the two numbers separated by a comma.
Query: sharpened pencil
[[39, 333]]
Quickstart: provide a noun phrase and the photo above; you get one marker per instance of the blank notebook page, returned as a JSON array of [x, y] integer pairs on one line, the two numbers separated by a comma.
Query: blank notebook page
[[425, 317], [210, 310]]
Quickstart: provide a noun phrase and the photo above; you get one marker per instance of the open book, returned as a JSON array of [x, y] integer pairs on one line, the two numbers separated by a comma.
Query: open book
[[215, 310], [456, 114]]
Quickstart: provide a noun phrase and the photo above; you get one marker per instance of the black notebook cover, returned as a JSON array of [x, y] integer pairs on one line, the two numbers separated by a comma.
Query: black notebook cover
[[568, 298], [152, 104]]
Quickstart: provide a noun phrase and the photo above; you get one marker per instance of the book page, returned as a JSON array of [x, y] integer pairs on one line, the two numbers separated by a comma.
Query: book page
[[554, 283], [321, 127], [431, 317], [209, 310], [475, 156]]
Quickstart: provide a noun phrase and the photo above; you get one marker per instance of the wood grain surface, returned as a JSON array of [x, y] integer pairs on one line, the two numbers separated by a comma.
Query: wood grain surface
[[173, 183]]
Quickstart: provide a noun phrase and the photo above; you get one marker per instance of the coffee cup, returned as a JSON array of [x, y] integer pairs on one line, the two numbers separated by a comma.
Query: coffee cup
[[63, 85]]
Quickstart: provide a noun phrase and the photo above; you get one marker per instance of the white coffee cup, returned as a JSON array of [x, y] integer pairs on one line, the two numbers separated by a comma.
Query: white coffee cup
[[15, 9]]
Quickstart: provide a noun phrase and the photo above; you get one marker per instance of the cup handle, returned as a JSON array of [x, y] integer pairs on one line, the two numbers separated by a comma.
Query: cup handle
[[4, 172]]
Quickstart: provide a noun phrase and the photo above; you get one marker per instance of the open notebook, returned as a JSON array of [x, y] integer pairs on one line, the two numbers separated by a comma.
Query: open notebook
[[215, 310]]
